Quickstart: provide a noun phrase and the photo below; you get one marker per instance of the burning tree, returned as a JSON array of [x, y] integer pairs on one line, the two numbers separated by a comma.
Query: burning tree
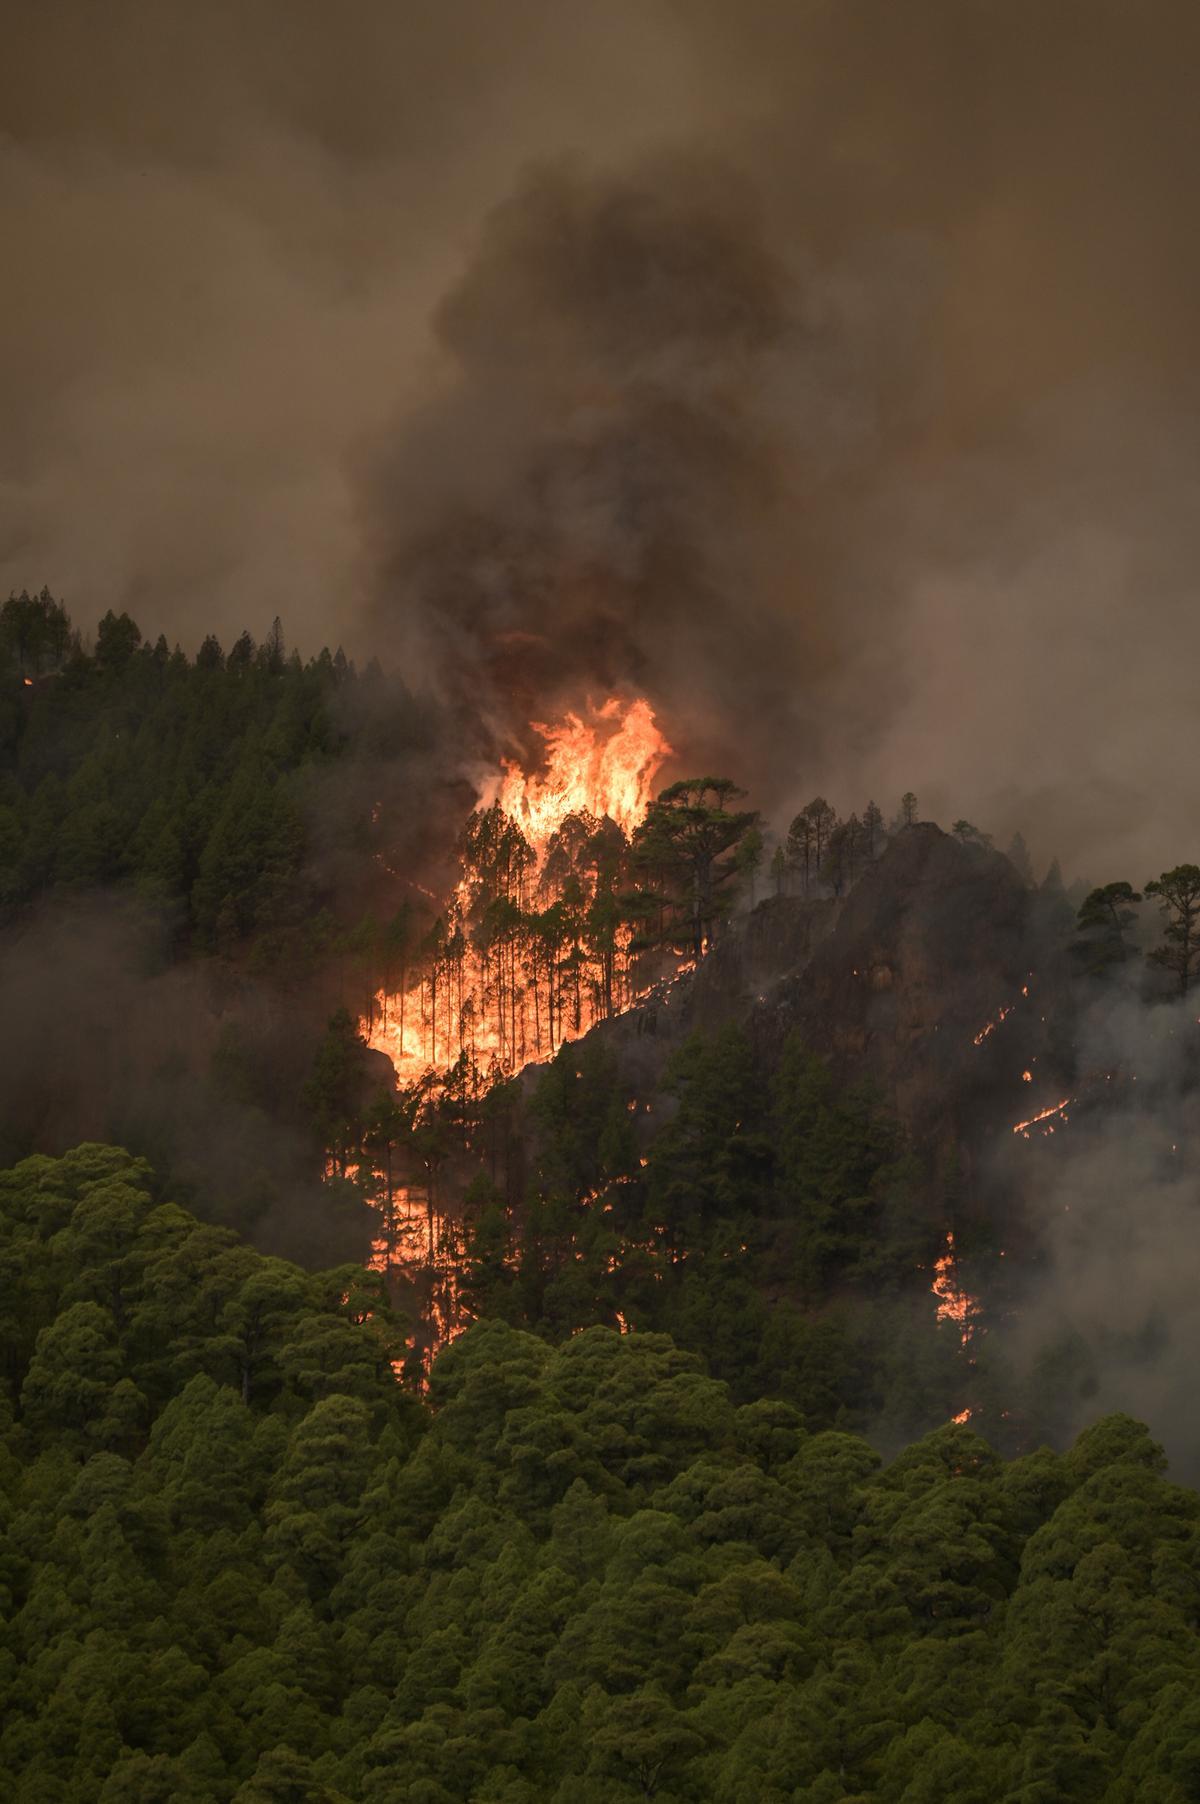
[[535, 942]]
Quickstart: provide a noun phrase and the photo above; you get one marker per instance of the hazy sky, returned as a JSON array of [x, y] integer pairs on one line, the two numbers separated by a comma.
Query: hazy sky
[[827, 369]]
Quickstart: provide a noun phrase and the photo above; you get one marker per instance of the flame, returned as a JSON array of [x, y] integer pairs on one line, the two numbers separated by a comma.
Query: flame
[[497, 1003], [954, 1304], [600, 763], [989, 1027], [602, 766], [419, 1247], [1044, 1115]]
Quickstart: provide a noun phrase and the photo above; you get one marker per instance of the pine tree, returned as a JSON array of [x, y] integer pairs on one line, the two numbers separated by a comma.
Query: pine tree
[[1178, 891], [1018, 857]]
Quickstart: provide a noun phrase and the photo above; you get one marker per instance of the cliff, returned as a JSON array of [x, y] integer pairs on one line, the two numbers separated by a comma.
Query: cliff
[[929, 978]]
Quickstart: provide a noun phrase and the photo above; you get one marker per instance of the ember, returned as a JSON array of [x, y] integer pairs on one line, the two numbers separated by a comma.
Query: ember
[[1047, 1116], [954, 1304]]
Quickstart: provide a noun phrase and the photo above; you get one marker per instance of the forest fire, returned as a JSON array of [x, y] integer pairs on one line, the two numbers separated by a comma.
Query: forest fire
[[531, 949], [604, 768], [580, 891], [421, 1245]]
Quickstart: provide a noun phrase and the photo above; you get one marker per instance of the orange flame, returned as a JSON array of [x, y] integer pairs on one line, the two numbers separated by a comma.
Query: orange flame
[[592, 767], [1044, 1115], [493, 1005], [954, 1304], [602, 762], [989, 1027]]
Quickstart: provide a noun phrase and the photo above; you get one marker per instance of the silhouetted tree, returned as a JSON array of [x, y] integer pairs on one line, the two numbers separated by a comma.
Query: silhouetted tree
[[823, 819], [241, 654], [334, 1094], [689, 841], [843, 855], [748, 857], [1104, 919], [800, 847], [273, 651], [117, 638], [1178, 892], [35, 631]]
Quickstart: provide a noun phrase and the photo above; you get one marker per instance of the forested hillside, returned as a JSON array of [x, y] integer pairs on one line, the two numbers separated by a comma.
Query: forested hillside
[[195, 782], [240, 1562], [187, 855], [599, 903], [787, 1139]]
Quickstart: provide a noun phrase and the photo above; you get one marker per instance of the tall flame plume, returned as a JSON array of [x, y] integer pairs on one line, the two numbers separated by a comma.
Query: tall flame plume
[[521, 960], [604, 767]]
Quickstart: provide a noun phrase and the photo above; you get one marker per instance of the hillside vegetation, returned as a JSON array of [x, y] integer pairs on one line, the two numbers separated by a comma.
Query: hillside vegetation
[[240, 1562]]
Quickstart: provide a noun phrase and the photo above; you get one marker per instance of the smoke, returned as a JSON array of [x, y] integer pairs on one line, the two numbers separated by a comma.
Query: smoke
[[198, 1070], [592, 486], [825, 370], [1105, 1320]]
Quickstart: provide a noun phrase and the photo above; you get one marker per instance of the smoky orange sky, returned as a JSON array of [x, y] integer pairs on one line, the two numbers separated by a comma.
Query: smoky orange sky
[[828, 370]]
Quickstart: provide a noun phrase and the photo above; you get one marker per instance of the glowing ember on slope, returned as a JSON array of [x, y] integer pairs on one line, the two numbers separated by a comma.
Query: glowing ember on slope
[[954, 1304], [1047, 1115], [990, 1027]]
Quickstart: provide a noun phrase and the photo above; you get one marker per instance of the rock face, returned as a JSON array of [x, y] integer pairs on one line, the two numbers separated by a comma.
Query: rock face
[[758, 951], [775, 940], [925, 979], [930, 985]]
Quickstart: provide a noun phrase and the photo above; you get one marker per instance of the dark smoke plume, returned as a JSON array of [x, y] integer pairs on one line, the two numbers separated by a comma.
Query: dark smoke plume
[[605, 459], [833, 370]]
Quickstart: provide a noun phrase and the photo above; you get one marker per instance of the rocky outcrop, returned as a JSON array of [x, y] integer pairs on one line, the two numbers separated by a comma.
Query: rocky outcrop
[[927, 979], [930, 984]]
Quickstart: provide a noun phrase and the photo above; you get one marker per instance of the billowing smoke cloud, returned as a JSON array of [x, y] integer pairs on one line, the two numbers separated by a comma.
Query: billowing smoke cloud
[[827, 369], [590, 493]]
